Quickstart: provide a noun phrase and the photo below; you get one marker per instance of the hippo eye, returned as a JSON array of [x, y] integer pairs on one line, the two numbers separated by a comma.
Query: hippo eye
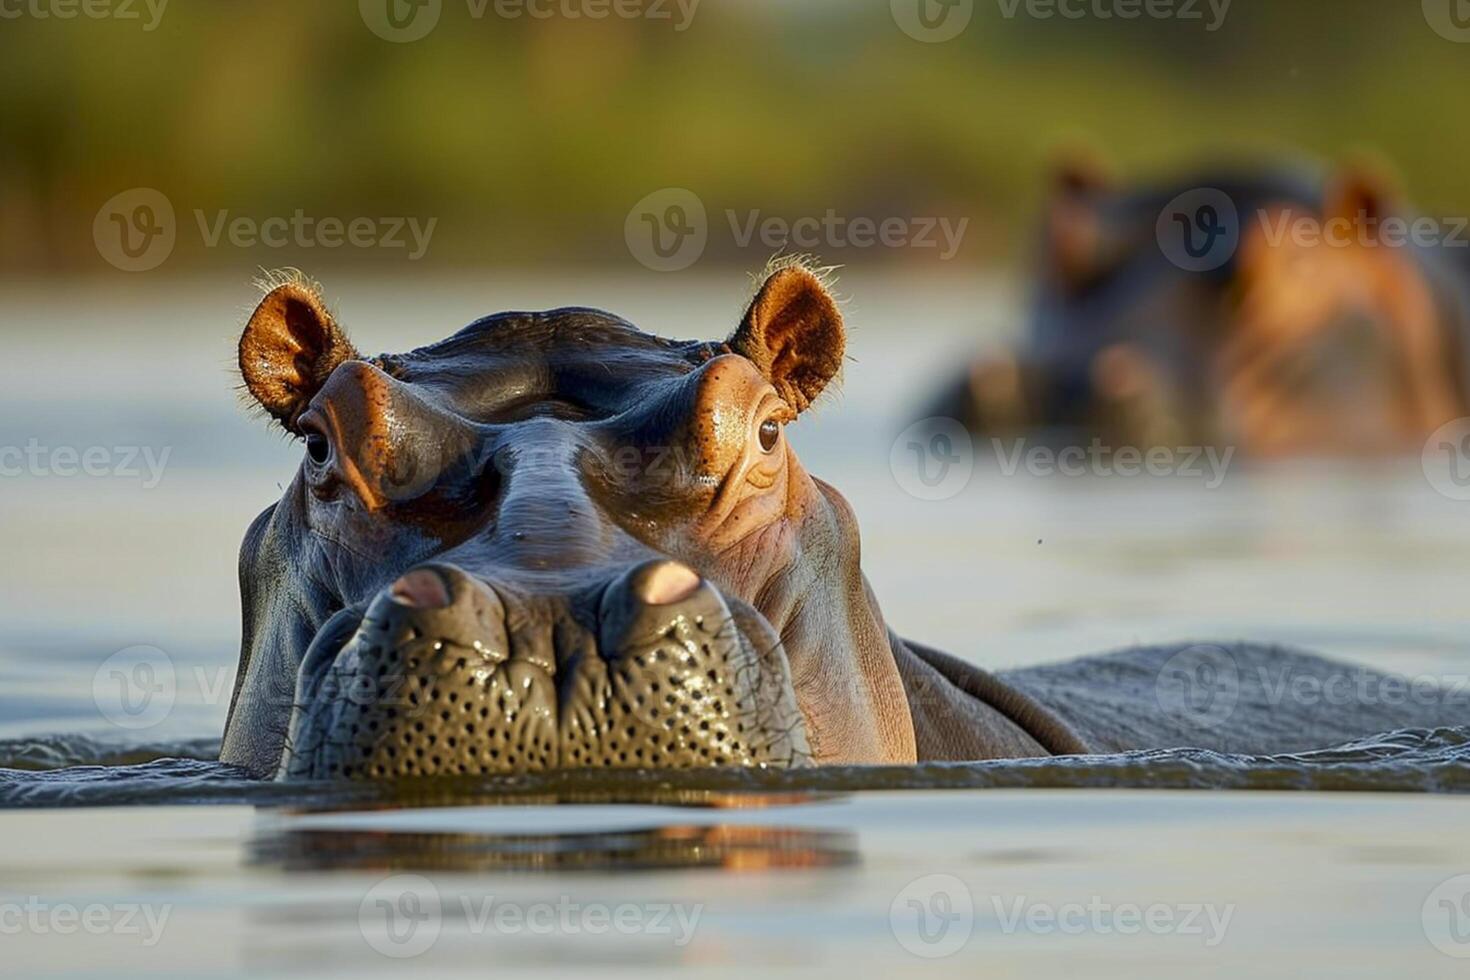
[[770, 434], [318, 449]]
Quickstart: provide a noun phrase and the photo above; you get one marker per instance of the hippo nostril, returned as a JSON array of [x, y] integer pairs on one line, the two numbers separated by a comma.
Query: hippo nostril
[[421, 589], [664, 582]]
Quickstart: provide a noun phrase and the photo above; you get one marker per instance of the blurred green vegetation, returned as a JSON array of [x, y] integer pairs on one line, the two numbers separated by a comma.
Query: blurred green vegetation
[[530, 139]]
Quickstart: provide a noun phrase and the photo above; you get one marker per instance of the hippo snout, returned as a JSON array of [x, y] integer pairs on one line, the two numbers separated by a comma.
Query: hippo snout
[[451, 673]]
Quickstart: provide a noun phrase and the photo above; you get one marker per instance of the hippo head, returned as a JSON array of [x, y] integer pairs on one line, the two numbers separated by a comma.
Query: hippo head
[[553, 540], [1314, 329]]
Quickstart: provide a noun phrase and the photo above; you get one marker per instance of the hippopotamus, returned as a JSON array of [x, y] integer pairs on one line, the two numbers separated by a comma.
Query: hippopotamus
[[553, 540], [1265, 308]]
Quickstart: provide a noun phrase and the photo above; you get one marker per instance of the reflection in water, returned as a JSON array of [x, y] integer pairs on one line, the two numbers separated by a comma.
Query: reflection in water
[[730, 848]]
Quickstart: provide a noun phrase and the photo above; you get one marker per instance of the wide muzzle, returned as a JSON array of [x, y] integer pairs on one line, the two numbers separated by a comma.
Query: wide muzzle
[[451, 674]]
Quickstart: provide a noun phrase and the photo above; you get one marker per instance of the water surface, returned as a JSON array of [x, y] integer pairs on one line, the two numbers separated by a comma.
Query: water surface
[[793, 872]]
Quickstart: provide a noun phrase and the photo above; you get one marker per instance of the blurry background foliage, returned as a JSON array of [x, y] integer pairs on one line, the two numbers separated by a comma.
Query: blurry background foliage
[[530, 140]]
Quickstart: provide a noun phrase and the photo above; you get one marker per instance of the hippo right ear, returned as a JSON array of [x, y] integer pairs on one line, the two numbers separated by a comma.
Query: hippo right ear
[[793, 334], [1073, 229], [289, 348]]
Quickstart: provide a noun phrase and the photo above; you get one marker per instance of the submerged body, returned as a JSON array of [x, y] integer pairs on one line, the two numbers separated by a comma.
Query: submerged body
[[553, 541]]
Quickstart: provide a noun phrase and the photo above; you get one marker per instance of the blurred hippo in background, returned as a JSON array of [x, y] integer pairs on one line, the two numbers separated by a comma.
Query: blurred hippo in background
[[1263, 309], [553, 540]]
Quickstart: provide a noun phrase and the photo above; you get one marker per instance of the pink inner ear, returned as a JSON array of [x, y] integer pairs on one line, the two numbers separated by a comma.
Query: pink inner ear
[[288, 349]]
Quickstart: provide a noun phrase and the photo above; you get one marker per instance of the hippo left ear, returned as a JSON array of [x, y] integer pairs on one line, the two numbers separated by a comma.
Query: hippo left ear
[[289, 348], [793, 334]]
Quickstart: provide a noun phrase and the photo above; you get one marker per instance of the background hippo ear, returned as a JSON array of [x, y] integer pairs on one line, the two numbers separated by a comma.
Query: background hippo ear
[[1075, 245], [793, 334], [289, 348], [1364, 194]]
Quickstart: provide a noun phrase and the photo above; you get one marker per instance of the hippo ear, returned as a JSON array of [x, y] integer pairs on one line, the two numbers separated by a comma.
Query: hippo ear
[[793, 334], [1075, 249], [289, 348], [1364, 194]]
